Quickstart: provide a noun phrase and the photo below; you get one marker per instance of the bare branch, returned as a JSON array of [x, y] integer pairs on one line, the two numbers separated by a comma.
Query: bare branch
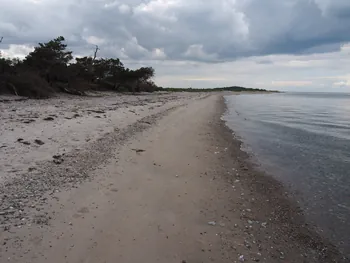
[[95, 54], [1, 38]]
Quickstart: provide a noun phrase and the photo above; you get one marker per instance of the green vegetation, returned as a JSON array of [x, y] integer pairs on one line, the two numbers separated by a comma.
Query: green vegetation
[[233, 88], [50, 68]]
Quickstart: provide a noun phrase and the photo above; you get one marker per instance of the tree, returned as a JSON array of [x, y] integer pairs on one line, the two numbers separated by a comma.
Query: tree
[[47, 54], [49, 68], [49, 58], [110, 70], [144, 74], [142, 77], [83, 68]]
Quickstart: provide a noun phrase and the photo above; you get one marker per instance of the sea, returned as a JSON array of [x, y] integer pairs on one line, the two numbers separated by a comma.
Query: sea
[[302, 140]]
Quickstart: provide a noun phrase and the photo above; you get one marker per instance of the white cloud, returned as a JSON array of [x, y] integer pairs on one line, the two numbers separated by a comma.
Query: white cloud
[[196, 52], [16, 51], [124, 9], [195, 42], [291, 83], [342, 83], [158, 53], [94, 40]]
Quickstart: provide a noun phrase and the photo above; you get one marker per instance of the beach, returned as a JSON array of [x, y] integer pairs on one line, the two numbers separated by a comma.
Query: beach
[[149, 178]]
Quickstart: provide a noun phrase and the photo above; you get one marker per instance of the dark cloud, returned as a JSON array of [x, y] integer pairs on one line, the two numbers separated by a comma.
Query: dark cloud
[[197, 30]]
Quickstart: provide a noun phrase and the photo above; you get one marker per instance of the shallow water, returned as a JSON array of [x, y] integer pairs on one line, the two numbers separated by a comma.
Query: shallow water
[[303, 140]]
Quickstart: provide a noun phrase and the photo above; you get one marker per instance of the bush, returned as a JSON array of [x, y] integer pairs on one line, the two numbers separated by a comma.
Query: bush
[[148, 86], [27, 84]]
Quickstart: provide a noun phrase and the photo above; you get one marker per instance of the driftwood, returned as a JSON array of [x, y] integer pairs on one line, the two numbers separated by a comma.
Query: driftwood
[[13, 88], [73, 92]]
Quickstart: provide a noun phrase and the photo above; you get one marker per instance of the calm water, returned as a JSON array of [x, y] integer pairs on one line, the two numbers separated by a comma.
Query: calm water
[[302, 140]]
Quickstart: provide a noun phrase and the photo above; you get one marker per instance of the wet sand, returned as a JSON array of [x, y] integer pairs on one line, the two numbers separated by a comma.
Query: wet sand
[[164, 185]]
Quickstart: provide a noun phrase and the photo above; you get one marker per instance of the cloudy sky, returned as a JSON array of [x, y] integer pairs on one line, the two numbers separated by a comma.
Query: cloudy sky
[[298, 45]]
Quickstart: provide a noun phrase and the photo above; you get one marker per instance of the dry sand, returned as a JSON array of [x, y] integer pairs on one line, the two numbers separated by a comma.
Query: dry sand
[[154, 178]]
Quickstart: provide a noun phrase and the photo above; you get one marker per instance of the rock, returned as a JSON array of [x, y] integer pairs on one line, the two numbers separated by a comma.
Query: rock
[[241, 258], [3, 213], [97, 111], [23, 141], [39, 142], [212, 223], [28, 121], [57, 159], [139, 150]]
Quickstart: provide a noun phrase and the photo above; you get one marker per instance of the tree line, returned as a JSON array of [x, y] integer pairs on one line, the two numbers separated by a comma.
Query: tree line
[[232, 88], [50, 68]]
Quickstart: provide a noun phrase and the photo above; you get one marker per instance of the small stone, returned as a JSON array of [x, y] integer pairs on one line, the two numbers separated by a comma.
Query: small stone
[[212, 223], [39, 142]]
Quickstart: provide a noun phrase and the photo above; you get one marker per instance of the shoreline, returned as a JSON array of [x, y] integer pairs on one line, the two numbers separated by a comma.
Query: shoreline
[[286, 214], [178, 189]]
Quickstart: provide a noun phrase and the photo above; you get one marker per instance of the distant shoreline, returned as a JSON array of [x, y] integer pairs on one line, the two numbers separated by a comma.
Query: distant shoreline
[[218, 89]]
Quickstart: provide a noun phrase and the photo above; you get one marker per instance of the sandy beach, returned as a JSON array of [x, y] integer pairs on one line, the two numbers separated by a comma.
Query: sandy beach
[[148, 178]]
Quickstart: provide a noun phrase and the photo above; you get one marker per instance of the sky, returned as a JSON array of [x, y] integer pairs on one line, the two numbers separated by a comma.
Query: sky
[[288, 45]]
